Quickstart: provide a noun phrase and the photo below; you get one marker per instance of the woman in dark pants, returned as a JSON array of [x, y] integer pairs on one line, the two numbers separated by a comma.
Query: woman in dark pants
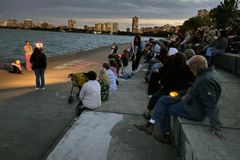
[[38, 60], [136, 52]]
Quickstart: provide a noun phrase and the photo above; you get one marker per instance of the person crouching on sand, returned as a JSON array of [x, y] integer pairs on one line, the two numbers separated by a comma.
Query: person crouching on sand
[[39, 63]]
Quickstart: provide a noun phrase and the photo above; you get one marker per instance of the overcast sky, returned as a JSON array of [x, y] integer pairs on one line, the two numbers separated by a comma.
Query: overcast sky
[[150, 12]]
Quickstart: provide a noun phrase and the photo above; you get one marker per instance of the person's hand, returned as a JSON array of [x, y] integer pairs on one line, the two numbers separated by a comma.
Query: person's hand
[[219, 134]]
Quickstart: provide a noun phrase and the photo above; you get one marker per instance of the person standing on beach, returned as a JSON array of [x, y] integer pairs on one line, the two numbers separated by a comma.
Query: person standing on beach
[[39, 63], [136, 51], [28, 53]]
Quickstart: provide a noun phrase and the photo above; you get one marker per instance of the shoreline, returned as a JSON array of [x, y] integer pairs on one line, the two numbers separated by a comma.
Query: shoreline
[[58, 67]]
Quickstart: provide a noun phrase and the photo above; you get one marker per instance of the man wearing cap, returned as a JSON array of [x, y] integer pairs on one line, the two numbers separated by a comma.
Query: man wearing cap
[[200, 101]]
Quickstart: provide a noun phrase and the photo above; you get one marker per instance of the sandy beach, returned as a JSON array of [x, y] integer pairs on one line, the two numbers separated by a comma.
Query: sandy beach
[[59, 67]]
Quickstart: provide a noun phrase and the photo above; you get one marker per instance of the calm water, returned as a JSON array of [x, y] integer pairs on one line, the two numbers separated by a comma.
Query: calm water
[[55, 43]]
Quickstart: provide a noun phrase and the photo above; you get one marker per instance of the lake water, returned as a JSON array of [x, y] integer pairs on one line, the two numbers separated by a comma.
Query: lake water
[[55, 43]]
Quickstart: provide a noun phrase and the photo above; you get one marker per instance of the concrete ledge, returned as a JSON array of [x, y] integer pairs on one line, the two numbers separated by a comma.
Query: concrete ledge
[[229, 62], [195, 142]]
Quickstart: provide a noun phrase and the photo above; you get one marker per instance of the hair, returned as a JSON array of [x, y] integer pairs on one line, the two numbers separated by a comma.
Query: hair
[[223, 33], [178, 60], [37, 50], [137, 43], [113, 63], [106, 66], [198, 61], [103, 75], [27, 41], [91, 75]]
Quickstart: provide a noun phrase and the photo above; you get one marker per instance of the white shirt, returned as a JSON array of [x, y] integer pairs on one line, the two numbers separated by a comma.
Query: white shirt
[[90, 94], [112, 77]]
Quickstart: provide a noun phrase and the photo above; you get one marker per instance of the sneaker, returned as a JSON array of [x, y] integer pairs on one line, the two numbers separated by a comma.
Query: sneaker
[[149, 96], [43, 88], [36, 89], [144, 128], [145, 70], [163, 138]]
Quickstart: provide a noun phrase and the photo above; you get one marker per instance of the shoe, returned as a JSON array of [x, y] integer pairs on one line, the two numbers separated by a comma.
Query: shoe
[[36, 89], [144, 128], [149, 96], [79, 110], [43, 88], [163, 138], [146, 115]]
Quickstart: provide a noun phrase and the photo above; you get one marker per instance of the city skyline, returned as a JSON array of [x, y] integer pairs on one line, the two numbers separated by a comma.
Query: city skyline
[[150, 13]]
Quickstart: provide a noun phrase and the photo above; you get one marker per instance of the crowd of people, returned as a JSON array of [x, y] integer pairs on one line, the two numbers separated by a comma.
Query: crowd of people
[[181, 81]]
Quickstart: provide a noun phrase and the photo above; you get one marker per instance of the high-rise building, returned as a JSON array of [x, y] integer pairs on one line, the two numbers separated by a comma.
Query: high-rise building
[[71, 23], [202, 13], [135, 24], [115, 27], [28, 23]]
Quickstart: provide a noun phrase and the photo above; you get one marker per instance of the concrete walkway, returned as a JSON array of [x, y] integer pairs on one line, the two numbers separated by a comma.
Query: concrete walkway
[[108, 132], [40, 125]]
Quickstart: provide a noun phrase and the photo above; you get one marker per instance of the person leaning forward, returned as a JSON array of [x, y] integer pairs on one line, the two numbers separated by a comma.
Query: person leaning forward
[[199, 102]]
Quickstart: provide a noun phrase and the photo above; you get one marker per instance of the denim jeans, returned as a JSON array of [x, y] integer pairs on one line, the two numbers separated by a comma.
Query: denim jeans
[[40, 81], [165, 107]]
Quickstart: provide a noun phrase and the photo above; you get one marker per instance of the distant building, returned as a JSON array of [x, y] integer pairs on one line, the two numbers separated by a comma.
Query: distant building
[[3, 23], [135, 24], [115, 27], [177, 29], [71, 23], [202, 13], [107, 27], [89, 28], [167, 28], [28, 23], [12, 23]]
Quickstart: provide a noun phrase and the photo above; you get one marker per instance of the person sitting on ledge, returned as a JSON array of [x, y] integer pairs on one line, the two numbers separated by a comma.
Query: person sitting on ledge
[[90, 94], [200, 101]]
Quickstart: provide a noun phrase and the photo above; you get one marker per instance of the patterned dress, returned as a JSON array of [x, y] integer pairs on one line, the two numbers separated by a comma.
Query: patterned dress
[[104, 90]]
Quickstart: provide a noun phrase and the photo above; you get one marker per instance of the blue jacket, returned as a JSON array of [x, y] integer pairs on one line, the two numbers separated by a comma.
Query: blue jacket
[[203, 96]]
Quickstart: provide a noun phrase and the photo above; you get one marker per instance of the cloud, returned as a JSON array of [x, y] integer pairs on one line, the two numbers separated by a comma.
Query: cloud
[[172, 10]]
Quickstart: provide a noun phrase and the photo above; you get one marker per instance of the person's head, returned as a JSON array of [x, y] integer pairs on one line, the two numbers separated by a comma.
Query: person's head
[[189, 53], [179, 59], [37, 50], [223, 33], [27, 43], [106, 66], [18, 62], [137, 40], [197, 63], [113, 63], [91, 75], [103, 75]]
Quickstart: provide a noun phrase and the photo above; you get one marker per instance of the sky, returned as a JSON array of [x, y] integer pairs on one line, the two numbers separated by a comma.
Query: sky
[[150, 12]]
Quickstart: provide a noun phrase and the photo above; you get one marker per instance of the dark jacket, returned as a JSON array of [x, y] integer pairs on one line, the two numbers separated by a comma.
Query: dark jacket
[[203, 96], [38, 60]]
